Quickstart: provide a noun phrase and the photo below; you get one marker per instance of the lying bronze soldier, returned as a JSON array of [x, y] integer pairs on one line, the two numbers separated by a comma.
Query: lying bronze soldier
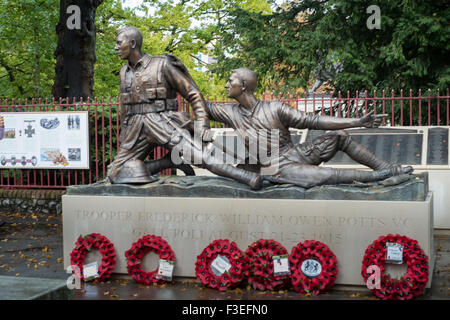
[[299, 164]]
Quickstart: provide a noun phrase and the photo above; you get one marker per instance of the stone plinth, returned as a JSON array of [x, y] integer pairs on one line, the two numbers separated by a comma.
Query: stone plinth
[[190, 223], [413, 188]]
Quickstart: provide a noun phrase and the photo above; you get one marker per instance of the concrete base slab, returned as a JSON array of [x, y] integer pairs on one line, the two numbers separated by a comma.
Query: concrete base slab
[[20, 288], [190, 224]]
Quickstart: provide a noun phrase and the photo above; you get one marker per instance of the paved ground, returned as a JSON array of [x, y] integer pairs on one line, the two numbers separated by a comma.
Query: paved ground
[[31, 246]]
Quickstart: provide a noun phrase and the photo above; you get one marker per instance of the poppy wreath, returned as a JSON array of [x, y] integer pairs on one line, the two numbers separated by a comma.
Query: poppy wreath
[[323, 278], [259, 256], [134, 256], [229, 279], [412, 283], [94, 241]]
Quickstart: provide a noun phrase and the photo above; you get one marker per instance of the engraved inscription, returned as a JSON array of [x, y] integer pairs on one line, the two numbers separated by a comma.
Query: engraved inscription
[[287, 238], [103, 215], [243, 228], [196, 219]]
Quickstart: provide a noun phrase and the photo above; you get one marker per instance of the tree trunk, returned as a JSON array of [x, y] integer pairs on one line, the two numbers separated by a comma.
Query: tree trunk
[[75, 53]]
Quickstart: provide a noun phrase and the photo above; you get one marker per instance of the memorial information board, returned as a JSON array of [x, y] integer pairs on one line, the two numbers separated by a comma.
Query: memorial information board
[[438, 146], [51, 140]]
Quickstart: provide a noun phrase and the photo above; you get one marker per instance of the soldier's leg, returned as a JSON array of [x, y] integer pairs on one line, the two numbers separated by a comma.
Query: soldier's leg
[[308, 176], [326, 146], [362, 155], [155, 166], [131, 161], [252, 179], [201, 156]]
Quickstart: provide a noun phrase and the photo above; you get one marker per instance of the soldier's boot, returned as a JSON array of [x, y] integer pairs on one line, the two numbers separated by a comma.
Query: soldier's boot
[[349, 176], [133, 172], [361, 154], [252, 179], [155, 166]]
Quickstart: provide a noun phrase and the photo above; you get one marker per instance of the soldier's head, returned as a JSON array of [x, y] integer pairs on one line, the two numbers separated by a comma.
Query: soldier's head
[[129, 40], [241, 80]]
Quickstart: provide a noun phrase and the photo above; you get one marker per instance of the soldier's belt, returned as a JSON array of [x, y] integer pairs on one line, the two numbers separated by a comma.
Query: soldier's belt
[[151, 107]]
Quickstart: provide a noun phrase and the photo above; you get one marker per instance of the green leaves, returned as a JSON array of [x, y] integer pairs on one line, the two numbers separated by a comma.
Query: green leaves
[[285, 46], [27, 30]]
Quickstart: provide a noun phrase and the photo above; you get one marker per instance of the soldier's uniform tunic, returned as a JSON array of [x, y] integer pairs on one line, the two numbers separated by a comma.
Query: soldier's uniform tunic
[[148, 90]]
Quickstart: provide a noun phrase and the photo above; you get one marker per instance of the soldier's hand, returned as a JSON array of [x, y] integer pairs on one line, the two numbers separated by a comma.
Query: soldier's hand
[[207, 135], [372, 120]]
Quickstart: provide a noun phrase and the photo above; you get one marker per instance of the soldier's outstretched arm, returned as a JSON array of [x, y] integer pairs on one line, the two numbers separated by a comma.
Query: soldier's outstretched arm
[[370, 120], [302, 120]]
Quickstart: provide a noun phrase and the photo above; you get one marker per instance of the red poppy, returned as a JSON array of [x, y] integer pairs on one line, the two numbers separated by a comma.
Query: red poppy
[[230, 274], [259, 257], [96, 241], [320, 265], [146, 244], [412, 283]]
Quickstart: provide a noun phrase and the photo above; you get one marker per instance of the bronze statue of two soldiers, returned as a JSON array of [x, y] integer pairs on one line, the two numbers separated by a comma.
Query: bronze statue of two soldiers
[[149, 117]]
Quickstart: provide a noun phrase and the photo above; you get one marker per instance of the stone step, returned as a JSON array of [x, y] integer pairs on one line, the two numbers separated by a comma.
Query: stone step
[[22, 288]]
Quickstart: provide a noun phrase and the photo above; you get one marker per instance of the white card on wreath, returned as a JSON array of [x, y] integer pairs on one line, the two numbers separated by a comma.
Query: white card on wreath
[[90, 271], [220, 265], [281, 265], [165, 270], [394, 253]]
